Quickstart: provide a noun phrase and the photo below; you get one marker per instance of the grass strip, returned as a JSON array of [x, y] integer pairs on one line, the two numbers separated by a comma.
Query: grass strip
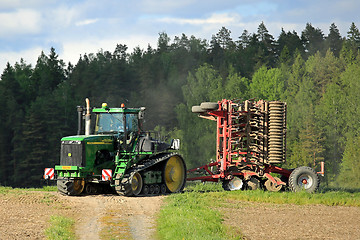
[[333, 198], [191, 216], [329, 197], [5, 190], [61, 228]]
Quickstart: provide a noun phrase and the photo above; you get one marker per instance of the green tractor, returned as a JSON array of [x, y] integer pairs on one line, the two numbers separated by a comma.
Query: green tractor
[[117, 156]]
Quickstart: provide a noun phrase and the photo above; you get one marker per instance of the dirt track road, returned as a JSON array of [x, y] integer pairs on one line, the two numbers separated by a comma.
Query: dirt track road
[[25, 215]]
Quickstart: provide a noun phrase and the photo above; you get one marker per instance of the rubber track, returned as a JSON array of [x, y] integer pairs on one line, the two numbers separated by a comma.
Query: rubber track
[[151, 162], [124, 188]]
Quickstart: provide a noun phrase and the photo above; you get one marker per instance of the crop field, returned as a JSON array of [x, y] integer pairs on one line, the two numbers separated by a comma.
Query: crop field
[[201, 212]]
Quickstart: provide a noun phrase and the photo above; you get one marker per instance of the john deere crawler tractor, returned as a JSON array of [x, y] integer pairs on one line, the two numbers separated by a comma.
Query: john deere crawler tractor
[[118, 156]]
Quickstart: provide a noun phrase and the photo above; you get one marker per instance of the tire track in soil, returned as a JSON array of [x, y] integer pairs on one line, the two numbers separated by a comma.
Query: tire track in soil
[[88, 223], [138, 214]]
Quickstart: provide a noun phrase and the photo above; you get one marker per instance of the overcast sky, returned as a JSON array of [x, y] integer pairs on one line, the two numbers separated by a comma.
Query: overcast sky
[[75, 27]]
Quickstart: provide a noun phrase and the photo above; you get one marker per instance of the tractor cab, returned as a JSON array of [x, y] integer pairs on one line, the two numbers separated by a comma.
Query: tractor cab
[[111, 122], [123, 123]]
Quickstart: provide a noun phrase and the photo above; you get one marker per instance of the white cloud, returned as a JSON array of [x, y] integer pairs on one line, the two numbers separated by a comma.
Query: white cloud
[[30, 56], [158, 6], [73, 49], [216, 18], [60, 17], [86, 22], [19, 22], [16, 4]]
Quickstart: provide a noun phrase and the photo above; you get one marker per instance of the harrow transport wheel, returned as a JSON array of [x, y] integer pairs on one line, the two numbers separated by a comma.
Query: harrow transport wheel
[[197, 109], [175, 174], [304, 178], [209, 105], [234, 184], [71, 187], [271, 187]]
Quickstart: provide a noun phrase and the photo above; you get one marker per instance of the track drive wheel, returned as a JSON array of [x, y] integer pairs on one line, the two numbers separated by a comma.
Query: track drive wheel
[[129, 186], [71, 187], [271, 187], [136, 183], [304, 178], [174, 174]]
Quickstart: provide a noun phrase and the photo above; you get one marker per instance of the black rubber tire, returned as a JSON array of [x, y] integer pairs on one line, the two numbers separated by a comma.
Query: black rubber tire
[[209, 106], [301, 174], [197, 109]]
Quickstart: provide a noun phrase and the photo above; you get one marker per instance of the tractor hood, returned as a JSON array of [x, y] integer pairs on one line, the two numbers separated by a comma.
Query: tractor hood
[[87, 138], [83, 151], [90, 138]]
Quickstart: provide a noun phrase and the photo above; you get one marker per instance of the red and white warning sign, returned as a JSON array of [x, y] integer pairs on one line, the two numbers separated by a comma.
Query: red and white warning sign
[[49, 173], [106, 174]]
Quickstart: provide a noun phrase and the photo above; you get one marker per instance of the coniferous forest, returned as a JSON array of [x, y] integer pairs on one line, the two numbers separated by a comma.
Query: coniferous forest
[[317, 75]]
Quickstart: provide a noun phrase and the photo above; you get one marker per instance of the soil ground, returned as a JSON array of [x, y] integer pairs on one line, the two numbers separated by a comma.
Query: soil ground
[[287, 221], [25, 215]]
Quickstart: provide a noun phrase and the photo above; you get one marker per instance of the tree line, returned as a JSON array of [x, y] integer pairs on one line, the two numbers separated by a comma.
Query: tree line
[[316, 75]]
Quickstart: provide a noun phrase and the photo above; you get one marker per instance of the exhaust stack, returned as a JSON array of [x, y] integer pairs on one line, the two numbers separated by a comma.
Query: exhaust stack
[[80, 111], [87, 117]]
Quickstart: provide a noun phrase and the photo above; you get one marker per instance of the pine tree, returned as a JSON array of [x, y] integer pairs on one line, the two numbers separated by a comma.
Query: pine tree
[[333, 40], [353, 37], [266, 52], [313, 39]]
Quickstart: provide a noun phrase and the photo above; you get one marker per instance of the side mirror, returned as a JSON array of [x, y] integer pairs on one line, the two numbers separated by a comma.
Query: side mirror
[[175, 144]]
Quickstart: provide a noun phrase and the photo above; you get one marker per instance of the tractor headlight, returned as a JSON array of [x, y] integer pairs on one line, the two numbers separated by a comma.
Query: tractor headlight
[[71, 142]]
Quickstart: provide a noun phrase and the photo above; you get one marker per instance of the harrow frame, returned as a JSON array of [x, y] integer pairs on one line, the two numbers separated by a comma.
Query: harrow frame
[[250, 140]]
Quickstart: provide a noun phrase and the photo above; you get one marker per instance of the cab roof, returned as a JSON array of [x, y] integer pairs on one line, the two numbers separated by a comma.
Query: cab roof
[[116, 110]]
